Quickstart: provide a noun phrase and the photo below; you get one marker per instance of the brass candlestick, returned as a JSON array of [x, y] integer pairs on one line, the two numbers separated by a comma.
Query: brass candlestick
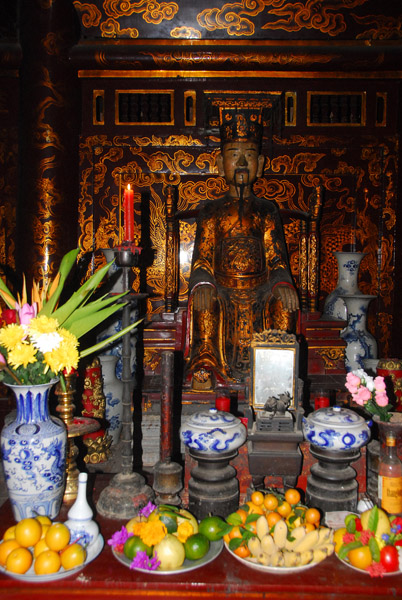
[[76, 426]]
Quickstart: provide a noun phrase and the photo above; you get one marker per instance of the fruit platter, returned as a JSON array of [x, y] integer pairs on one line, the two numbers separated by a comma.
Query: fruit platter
[[276, 533], [165, 539], [371, 543], [38, 550]]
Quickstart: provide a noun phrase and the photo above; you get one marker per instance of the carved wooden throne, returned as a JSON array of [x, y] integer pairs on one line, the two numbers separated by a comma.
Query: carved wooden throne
[[322, 349]]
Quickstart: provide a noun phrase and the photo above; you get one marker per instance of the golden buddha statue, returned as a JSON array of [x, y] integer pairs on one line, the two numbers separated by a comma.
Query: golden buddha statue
[[240, 280]]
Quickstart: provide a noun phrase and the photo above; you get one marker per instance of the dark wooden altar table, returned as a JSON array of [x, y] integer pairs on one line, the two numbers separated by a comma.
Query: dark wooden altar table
[[225, 577]]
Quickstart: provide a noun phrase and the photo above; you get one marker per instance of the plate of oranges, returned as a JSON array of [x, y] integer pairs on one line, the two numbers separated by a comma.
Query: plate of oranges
[[39, 550]]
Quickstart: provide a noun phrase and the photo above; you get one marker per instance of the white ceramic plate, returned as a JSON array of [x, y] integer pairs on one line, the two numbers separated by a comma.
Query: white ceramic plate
[[347, 563], [189, 565], [31, 577], [274, 570]]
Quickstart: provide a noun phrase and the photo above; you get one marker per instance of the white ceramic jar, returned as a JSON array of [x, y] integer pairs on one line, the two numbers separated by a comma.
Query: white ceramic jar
[[336, 428], [213, 432]]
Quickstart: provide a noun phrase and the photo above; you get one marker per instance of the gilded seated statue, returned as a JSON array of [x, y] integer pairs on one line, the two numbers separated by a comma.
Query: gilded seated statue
[[240, 280]]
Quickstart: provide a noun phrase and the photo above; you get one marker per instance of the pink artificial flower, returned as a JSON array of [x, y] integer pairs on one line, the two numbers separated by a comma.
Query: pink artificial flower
[[352, 382], [381, 398], [9, 316], [362, 396], [379, 384], [27, 312], [2, 359]]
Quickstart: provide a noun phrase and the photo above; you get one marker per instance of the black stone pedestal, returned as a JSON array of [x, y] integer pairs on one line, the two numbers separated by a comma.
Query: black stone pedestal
[[332, 484], [213, 486]]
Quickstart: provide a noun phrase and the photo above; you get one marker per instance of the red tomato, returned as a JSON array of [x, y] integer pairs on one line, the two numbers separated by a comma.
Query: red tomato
[[389, 558]]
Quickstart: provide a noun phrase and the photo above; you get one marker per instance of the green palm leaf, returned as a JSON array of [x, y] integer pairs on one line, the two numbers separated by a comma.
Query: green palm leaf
[[66, 265], [112, 338]]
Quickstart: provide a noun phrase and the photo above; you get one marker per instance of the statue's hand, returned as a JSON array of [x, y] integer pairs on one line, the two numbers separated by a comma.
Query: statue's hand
[[288, 296], [204, 297]]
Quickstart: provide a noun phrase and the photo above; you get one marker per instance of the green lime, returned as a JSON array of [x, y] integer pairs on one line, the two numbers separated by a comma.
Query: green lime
[[135, 544], [170, 520], [196, 546], [212, 528]]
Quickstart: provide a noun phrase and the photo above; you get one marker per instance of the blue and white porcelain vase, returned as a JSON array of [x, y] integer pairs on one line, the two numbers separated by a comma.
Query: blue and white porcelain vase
[[336, 428], [113, 392], [82, 527], [360, 344], [33, 448], [347, 284]]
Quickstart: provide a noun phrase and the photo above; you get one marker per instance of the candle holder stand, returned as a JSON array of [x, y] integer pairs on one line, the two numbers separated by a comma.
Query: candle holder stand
[[76, 427], [127, 492]]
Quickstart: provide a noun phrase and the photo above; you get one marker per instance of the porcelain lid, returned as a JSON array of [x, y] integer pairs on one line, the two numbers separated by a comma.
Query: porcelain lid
[[336, 416], [213, 418]]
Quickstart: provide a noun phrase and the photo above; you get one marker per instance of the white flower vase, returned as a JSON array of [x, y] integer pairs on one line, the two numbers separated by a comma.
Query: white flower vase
[[83, 528], [33, 448], [113, 392], [360, 344], [347, 284]]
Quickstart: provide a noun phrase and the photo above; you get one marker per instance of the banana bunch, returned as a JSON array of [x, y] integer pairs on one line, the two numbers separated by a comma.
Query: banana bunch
[[284, 548]]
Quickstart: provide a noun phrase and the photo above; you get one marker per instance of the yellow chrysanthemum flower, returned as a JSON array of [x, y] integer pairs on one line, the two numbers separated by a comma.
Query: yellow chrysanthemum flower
[[11, 335], [21, 355], [42, 324], [184, 531], [137, 528], [65, 356], [153, 532]]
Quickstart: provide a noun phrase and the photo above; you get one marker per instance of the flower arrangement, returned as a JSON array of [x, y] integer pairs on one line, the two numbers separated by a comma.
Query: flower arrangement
[[370, 393], [156, 538], [39, 340]]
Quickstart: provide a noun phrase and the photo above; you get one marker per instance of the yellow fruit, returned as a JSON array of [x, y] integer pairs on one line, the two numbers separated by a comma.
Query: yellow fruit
[[191, 519], [43, 520], [270, 501], [40, 547], [57, 536], [170, 551], [257, 498], [45, 528], [130, 524], [338, 538], [6, 547], [19, 561], [28, 532], [73, 556], [9, 533], [360, 557], [284, 509], [383, 525], [47, 562]]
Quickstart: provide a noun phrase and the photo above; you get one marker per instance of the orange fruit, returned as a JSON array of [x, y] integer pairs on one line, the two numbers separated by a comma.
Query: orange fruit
[[57, 536], [338, 538], [19, 560], [28, 532], [40, 547], [272, 518], [254, 509], [242, 513], [309, 527], [47, 562], [257, 498], [9, 533], [292, 496], [73, 556], [226, 538], [360, 557], [6, 547], [45, 528], [312, 515], [242, 551], [235, 533], [270, 501], [284, 509]]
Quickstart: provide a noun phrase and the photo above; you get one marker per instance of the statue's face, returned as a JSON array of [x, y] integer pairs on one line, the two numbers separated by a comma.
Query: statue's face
[[240, 162]]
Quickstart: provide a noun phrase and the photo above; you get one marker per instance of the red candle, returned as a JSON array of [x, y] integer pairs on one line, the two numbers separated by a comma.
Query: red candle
[[128, 205]]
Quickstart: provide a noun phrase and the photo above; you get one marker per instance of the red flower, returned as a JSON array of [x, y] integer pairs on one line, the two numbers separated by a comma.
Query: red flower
[[9, 316], [365, 536], [376, 569], [348, 537]]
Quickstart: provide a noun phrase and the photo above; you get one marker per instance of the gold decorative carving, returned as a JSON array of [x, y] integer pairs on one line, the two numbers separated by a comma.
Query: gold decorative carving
[[381, 27], [391, 364], [152, 12], [152, 359], [232, 17], [331, 356], [322, 16], [274, 337], [185, 32], [98, 449], [207, 58], [91, 16]]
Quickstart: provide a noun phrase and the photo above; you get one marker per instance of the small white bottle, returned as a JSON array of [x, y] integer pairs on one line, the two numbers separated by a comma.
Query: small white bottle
[[83, 528]]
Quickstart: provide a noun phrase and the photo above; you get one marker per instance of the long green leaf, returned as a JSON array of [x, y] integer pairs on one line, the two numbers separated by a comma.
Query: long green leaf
[[66, 265], [81, 295], [92, 307], [112, 338], [5, 289], [81, 326]]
